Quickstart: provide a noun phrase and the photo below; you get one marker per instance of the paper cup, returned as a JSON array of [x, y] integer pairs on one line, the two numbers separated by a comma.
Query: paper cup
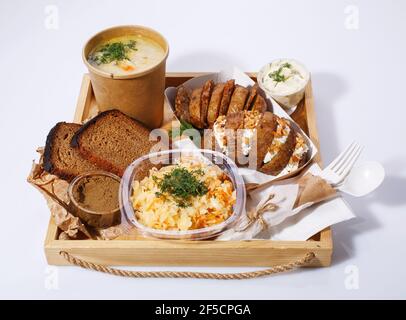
[[140, 95], [290, 99]]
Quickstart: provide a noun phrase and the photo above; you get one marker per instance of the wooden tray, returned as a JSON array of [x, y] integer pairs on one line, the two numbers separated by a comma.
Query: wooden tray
[[195, 253]]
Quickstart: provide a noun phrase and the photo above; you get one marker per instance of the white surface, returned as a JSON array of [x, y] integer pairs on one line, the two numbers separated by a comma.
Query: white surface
[[358, 80]]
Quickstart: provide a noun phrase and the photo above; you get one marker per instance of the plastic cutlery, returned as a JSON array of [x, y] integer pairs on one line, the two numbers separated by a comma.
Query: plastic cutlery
[[363, 179], [337, 171]]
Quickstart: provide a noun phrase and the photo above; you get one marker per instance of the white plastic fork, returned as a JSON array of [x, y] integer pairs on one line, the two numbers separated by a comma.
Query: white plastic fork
[[337, 171]]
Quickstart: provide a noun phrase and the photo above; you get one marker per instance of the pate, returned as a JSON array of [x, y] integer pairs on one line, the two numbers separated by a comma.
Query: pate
[[97, 193]]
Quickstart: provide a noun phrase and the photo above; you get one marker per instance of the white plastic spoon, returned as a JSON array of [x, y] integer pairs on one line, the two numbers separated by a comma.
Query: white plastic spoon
[[363, 179]]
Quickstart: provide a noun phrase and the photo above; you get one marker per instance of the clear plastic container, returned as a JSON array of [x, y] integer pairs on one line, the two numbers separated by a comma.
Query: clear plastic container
[[140, 168]]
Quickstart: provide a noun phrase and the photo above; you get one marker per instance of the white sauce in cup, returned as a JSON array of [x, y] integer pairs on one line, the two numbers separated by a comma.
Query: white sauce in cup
[[284, 80]]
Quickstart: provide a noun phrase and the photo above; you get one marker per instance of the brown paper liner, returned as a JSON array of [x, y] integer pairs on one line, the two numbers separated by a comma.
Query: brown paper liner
[[313, 189], [54, 190]]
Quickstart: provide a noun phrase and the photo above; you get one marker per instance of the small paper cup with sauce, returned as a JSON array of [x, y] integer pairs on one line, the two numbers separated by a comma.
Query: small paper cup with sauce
[[94, 198], [285, 96], [137, 93]]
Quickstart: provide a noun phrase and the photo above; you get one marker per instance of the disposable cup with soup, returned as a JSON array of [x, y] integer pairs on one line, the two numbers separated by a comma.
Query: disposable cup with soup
[[127, 71], [285, 81]]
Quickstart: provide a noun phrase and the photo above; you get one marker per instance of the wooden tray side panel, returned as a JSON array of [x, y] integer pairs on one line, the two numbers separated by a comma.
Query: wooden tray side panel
[[175, 253], [260, 253], [84, 100]]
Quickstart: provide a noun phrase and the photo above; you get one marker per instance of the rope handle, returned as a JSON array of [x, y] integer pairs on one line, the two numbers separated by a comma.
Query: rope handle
[[186, 274]]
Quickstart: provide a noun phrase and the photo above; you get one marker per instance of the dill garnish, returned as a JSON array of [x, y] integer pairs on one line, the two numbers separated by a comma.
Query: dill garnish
[[115, 51], [181, 184], [277, 75]]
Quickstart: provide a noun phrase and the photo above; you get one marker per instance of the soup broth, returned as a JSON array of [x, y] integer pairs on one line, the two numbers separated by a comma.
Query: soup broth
[[127, 54]]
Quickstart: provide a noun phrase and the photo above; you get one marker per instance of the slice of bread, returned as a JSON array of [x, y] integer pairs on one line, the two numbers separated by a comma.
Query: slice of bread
[[112, 140], [60, 158]]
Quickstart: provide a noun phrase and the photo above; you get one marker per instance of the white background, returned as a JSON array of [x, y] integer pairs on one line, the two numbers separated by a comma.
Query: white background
[[359, 86]]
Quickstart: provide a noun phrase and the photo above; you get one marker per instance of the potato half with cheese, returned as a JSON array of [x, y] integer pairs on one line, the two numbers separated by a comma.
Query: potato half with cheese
[[272, 141]]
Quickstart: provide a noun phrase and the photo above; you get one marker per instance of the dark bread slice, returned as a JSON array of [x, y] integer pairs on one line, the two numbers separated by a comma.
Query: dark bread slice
[[60, 158], [112, 141]]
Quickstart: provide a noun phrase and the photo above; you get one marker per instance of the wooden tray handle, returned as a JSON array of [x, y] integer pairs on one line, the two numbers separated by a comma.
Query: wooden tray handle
[[186, 274]]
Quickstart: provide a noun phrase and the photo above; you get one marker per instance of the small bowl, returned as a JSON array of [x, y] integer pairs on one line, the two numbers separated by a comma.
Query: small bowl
[[140, 168], [94, 218], [287, 99]]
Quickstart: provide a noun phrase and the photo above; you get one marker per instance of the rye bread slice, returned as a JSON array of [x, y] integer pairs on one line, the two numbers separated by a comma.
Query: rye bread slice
[[60, 158], [112, 140]]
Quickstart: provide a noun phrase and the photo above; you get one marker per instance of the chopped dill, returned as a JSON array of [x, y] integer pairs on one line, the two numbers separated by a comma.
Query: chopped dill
[[277, 75], [181, 184], [115, 51]]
